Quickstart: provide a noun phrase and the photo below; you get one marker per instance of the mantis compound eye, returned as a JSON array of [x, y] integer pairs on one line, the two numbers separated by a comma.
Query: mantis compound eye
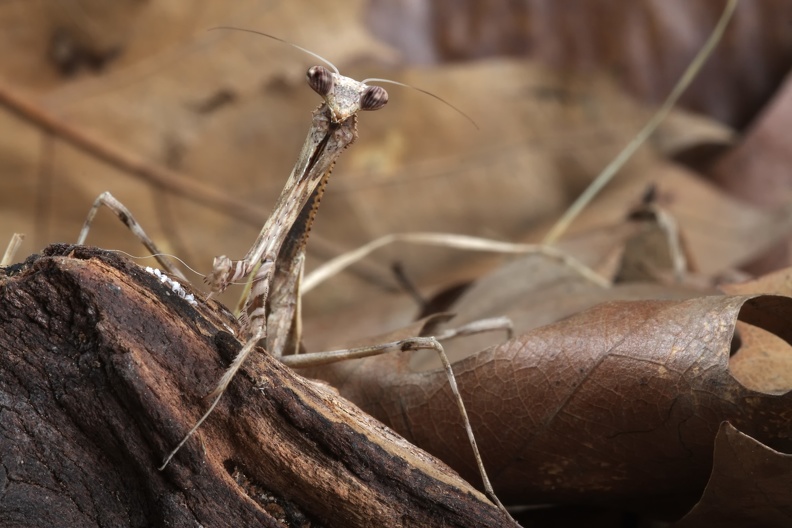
[[320, 79], [373, 98]]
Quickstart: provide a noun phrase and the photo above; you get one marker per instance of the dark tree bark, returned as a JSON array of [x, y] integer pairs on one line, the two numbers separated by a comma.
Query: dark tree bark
[[104, 368]]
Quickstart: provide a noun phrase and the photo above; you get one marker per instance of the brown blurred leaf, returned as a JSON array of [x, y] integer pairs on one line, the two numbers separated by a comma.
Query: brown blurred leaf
[[757, 170], [776, 283], [692, 138], [621, 402], [721, 232], [749, 486], [646, 44]]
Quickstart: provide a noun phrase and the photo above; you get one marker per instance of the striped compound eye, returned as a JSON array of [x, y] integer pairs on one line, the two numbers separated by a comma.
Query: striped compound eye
[[374, 98], [321, 80]]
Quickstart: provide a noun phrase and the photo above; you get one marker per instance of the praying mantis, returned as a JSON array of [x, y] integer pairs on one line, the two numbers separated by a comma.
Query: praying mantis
[[274, 264]]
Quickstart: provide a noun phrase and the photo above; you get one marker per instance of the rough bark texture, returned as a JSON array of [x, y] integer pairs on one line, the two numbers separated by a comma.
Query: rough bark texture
[[104, 368]]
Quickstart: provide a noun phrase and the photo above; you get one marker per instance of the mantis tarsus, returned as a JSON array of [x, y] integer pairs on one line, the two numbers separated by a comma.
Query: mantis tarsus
[[276, 259]]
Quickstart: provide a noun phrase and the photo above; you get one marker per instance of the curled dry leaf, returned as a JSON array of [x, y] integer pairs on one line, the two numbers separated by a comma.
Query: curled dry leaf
[[621, 402], [764, 362], [749, 485]]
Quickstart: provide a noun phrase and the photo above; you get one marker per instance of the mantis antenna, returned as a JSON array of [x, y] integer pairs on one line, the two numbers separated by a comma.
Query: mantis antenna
[[316, 55], [273, 37]]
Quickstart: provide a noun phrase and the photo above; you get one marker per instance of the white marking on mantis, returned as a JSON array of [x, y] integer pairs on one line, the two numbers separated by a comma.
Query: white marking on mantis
[[175, 287]]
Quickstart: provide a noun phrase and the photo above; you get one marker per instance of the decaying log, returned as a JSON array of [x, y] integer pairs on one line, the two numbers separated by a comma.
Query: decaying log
[[104, 368]]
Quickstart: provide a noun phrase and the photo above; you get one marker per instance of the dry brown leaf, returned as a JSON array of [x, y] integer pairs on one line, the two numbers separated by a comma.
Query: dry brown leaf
[[646, 44], [763, 361], [621, 402], [692, 137], [776, 283], [757, 170], [534, 291], [749, 485], [721, 232]]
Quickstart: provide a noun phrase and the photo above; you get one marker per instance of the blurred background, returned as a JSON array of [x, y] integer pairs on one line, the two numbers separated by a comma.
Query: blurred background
[[556, 87]]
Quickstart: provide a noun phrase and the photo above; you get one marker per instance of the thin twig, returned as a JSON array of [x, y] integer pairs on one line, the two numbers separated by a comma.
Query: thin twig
[[129, 162], [618, 162], [470, 243]]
